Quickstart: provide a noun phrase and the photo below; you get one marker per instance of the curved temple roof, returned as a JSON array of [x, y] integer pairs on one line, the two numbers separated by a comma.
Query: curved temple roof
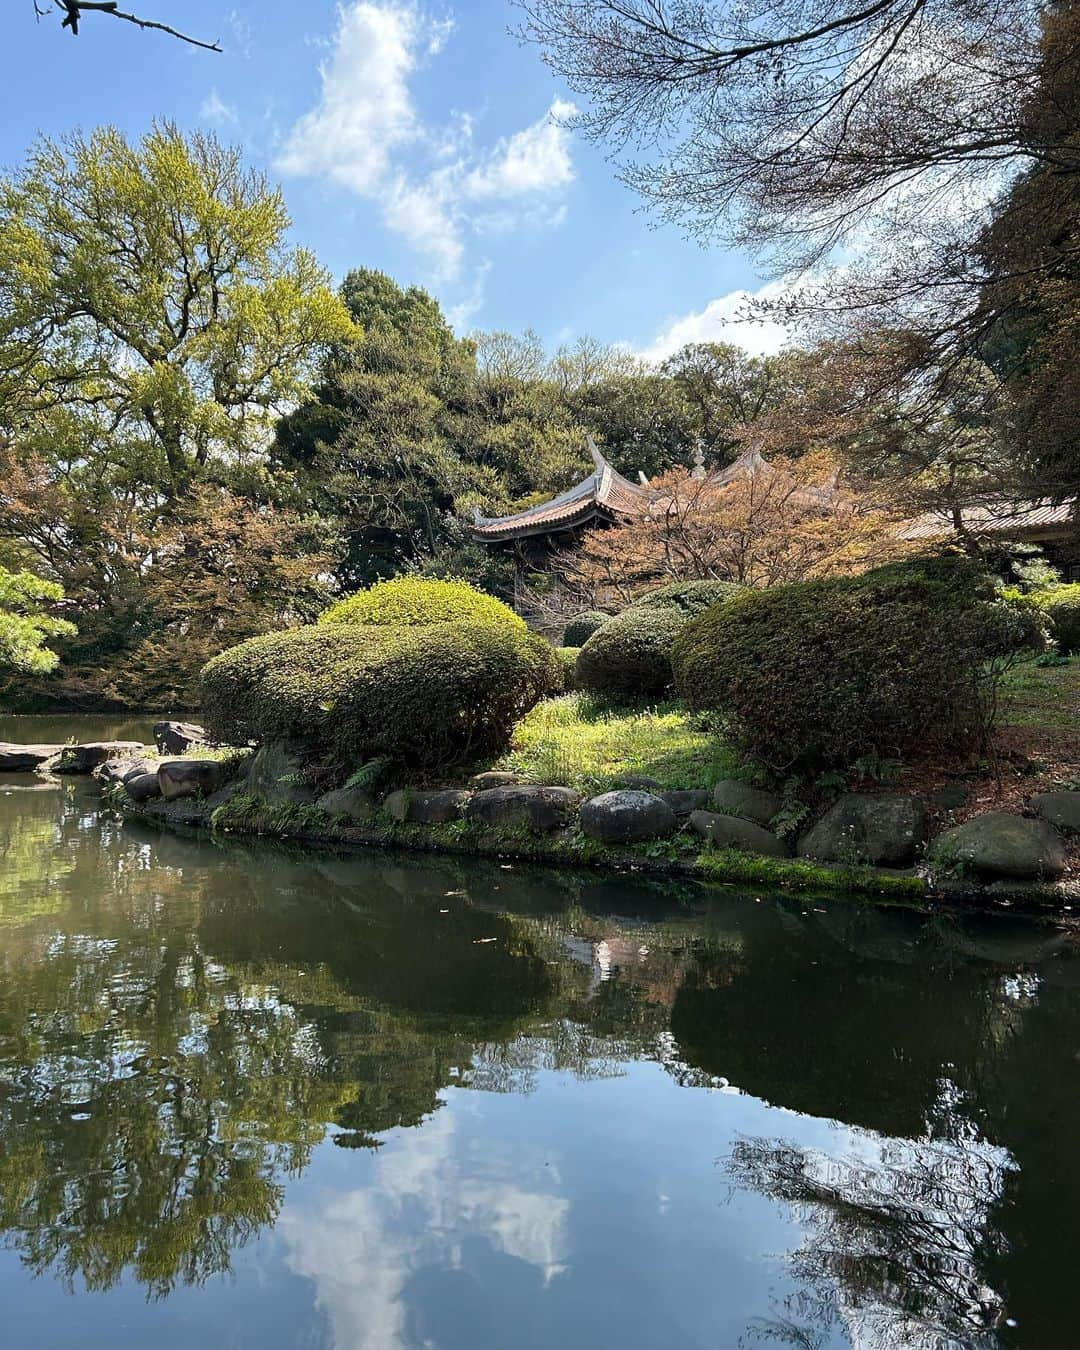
[[605, 494]]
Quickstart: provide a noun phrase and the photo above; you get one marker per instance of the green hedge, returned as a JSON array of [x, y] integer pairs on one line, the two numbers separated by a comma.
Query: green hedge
[[630, 657], [582, 626], [567, 659], [405, 602], [688, 597], [1062, 605], [427, 696], [897, 661]]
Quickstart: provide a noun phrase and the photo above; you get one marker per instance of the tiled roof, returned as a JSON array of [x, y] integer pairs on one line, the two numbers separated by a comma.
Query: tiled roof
[[605, 493], [997, 517]]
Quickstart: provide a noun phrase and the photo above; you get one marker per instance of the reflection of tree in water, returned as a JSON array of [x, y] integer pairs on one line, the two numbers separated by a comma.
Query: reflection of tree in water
[[897, 1241]]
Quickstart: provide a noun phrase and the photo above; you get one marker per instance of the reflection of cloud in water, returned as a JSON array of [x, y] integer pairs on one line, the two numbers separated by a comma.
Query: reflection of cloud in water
[[362, 1247]]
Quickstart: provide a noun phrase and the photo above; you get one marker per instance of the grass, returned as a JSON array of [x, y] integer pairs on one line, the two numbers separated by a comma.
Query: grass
[[730, 867], [1044, 698], [581, 742]]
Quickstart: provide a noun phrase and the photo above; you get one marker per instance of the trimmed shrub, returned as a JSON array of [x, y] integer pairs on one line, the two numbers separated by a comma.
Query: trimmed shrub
[[427, 696], [630, 657], [567, 659], [582, 626], [405, 602], [896, 661], [689, 597], [1062, 605]]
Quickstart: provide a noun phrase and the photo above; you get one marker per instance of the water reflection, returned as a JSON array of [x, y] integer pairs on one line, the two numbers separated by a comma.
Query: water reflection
[[481, 1106]]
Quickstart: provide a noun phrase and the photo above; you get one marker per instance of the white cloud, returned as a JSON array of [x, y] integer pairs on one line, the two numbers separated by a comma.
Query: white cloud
[[724, 320], [214, 109], [431, 185]]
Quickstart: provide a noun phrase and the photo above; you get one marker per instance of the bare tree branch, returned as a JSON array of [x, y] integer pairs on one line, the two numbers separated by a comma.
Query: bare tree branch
[[73, 11]]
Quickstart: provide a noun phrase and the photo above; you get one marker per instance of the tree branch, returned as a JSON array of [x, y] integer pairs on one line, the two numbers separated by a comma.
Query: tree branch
[[73, 11]]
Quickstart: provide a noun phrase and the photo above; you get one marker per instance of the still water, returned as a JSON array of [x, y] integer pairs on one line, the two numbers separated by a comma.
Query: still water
[[251, 1098]]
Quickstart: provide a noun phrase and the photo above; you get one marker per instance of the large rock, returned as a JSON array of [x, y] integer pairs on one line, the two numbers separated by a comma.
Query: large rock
[[684, 800], [1060, 809], [120, 770], [639, 782], [437, 807], [144, 787], [188, 777], [276, 773], [859, 827], [177, 738], [627, 815], [493, 778], [1000, 844], [84, 759], [25, 758], [352, 803], [732, 798], [540, 809], [735, 832]]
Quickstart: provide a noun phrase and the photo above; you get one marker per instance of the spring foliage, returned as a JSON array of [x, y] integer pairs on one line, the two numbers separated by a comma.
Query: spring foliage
[[412, 601], [25, 624]]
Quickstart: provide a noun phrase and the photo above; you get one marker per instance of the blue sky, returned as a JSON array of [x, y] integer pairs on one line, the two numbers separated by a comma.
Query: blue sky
[[421, 140]]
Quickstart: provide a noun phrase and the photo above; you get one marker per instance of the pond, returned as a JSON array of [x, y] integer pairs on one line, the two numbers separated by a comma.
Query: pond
[[255, 1098]]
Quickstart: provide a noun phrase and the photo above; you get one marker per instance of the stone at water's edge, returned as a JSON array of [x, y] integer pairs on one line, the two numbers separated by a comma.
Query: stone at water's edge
[[25, 758], [626, 816], [733, 798], [860, 827], [84, 759], [144, 787], [426, 808], [188, 777], [1000, 844], [542, 809], [1061, 809], [734, 832], [277, 774], [120, 770], [353, 803], [176, 738]]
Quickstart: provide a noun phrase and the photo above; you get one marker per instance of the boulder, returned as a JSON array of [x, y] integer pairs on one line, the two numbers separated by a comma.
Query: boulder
[[437, 807], [639, 782], [541, 809], [120, 770], [1000, 844], [25, 758], [352, 803], [735, 832], [951, 797], [733, 798], [685, 800], [177, 738], [84, 759], [276, 773], [188, 777], [627, 815], [1060, 809], [144, 787], [860, 827], [493, 778]]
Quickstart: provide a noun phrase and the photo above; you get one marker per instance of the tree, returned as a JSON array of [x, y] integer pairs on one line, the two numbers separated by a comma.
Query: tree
[[153, 326], [26, 625], [71, 12]]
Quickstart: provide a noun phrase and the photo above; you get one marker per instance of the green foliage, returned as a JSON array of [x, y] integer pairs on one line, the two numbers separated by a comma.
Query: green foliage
[[895, 662], [567, 659], [582, 626], [730, 866], [1062, 605], [25, 624], [409, 601], [427, 696], [688, 597], [630, 656], [583, 742]]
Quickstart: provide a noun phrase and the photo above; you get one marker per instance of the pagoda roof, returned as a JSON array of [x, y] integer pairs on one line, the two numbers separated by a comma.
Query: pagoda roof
[[605, 494]]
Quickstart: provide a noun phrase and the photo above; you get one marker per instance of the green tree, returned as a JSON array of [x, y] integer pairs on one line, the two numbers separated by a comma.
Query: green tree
[[25, 624]]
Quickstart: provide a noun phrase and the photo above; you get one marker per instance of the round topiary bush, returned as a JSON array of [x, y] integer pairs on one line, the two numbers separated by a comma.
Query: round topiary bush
[[428, 696], [582, 626], [630, 657], [1062, 605], [567, 659], [897, 661], [405, 602], [689, 597]]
